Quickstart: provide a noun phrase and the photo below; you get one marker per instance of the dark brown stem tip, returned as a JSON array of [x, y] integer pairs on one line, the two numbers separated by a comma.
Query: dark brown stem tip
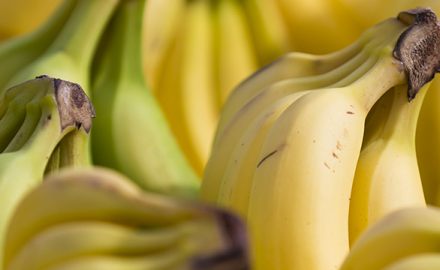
[[419, 47], [74, 106]]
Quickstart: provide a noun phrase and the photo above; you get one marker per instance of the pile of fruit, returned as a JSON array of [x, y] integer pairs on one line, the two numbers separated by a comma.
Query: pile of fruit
[[153, 134]]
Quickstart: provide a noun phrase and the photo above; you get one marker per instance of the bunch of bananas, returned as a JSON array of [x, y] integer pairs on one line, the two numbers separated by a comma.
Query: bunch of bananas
[[291, 155], [98, 219]]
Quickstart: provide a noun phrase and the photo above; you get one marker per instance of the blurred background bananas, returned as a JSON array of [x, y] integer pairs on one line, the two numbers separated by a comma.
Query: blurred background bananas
[[303, 121]]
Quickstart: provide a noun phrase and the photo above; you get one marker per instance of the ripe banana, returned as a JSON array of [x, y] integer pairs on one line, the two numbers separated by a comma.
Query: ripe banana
[[71, 240], [69, 56], [341, 76], [17, 52], [423, 261], [22, 16], [160, 26], [187, 89], [57, 112], [132, 134], [306, 201], [98, 194], [427, 145], [396, 236], [270, 34], [290, 66], [387, 175], [236, 53]]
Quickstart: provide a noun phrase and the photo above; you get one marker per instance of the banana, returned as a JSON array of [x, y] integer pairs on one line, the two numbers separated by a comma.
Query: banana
[[237, 57], [270, 34], [22, 16], [225, 144], [327, 22], [427, 144], [170, 259], [160, 25], [187, 89], [17, 52], [132, 134], [377, 117], [86, 238], [60, 114], [423, 261], [387, 175], [398, 235], [69, 55], [289, 66], [100, 194], [298, 219]]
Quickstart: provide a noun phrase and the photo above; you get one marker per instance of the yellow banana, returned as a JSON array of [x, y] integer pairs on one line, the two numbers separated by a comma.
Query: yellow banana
[[298, 208], [387, 175], [187, 89], [270, 34], [22, 16], [98, 194], [423, 261], [398, 235], [225, 144], [290, 66], [160, 25], [236, 53]]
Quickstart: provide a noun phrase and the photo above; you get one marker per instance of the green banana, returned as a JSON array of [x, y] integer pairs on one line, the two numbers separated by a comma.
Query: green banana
[[56, 116], [17, 52], [132, 135]]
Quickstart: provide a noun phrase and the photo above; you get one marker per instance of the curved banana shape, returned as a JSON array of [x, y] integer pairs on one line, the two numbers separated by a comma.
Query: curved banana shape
[[400, 234], [99, 194], [387, 175], [299, 202], [22, 16], [423, 261], [290, 66], [70, 55], [33, 144], [270, 34], [222, 150], [237, 57], [187, 90], [17, 52], [85, 238], [428, 145], [132, 134], [161, 23]]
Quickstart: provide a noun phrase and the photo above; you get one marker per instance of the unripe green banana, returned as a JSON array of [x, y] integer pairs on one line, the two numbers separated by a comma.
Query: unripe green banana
[[17, 52], [132, 135], [63, 106], [208, 236], [387, 175]]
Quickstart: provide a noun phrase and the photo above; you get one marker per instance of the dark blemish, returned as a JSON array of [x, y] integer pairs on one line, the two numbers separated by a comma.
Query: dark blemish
[[335, 156], [49, 117], [326, 165], [350, 112], [418, 47], [339, 146], [266, 158]]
